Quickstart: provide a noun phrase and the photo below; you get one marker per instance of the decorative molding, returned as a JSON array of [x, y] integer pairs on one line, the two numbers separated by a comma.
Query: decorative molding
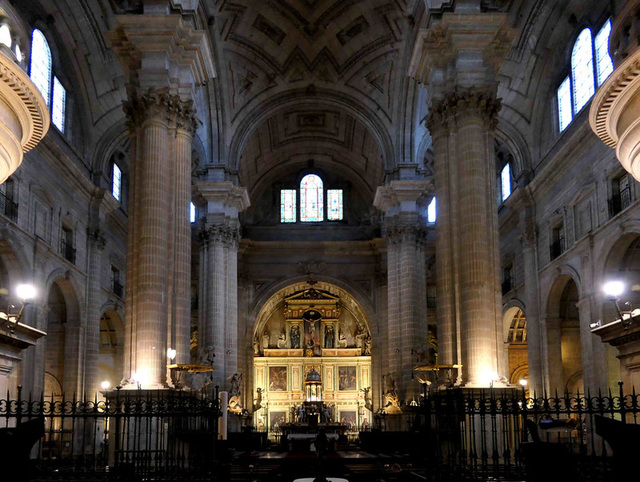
[[464, 102]]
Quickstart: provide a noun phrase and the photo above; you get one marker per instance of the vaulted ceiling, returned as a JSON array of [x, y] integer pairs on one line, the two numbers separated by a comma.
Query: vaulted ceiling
[[305, 79]]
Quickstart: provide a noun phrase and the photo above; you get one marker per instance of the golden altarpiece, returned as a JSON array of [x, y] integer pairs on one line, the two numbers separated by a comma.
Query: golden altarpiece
[[313, 335]]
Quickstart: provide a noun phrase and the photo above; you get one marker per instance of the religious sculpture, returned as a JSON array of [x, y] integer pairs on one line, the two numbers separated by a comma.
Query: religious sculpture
[[265, 340], [329, 335], [367, 345], [234, 393], [342, 340], [294, 336], [390, 394], [360, 334], [257, 403], [256, 347], [282, 339]]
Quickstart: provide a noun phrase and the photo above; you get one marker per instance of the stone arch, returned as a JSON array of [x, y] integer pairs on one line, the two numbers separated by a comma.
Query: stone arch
[[290, 285], [111, 347], [515, 340], [328, 99], [620, 262], [69, 288], [562, 323]]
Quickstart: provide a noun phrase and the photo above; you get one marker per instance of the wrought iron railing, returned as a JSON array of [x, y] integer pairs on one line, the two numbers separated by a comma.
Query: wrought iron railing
[[118, 288], [8, 207], [501, 434], [130, 435]]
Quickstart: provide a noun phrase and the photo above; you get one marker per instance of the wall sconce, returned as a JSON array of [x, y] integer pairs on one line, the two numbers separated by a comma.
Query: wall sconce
[[613, 290], [11, 319]]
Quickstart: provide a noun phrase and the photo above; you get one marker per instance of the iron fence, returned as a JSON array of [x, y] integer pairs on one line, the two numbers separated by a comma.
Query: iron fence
[[129, 435], [509, 435]]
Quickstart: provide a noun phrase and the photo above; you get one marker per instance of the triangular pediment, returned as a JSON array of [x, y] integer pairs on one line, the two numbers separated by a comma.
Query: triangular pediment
[[312, 295]]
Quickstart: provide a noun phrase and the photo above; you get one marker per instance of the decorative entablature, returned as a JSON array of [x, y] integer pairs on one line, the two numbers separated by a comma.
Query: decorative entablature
[[327, 305]]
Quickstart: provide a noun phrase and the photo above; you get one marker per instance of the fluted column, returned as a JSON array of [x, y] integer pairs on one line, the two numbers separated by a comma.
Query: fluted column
[[463, 124], [96, 244], [165, 58], [219, 240], [405, 235], [457, 54]]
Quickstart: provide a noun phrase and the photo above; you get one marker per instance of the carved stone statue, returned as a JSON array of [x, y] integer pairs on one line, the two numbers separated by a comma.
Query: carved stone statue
[[282, 339], [265, 340], [342, 340], [367, 345], [257, 403], [256, 347]]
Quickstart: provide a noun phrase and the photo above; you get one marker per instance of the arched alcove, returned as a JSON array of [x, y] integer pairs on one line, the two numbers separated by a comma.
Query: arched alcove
[[306, 328]]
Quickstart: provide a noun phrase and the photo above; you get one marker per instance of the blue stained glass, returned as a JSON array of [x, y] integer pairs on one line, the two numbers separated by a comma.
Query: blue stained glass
[[58, 107], [40, 72], [311, 199], [604, 64], [505, 181], [582, 70], [116, 185], [334, 204], [288, 206], [564, 104]]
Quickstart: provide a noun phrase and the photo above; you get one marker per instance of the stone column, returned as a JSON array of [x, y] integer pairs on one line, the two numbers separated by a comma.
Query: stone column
[[405, 227], [165, 59], [219, 240], [95, 248], [457, 55]]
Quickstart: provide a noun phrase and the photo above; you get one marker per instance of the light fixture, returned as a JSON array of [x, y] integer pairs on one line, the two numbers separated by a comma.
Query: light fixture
[[24, 292], [613, 289], [105, 385], [171, 353], [523, 382]]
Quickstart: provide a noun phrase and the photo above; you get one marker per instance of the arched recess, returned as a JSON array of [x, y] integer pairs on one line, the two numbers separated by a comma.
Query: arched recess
[[564, 348], [515, 339], [111, 346], [284, 353], [623, 264], [62, 343]]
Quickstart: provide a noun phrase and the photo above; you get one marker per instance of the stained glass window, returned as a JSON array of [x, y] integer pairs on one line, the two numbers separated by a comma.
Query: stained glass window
[[431, 211], [604, 65], [59, 101], [334, 204], [116, 186], [311, 199], [564, 104], [582, 70], [288, 206], [40, 71], [505, 181], [192, 213]]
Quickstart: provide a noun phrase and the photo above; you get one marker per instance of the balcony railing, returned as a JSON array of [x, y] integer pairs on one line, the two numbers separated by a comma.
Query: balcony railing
[[117, 287], [619, 202], [68, 251], [8, 207]]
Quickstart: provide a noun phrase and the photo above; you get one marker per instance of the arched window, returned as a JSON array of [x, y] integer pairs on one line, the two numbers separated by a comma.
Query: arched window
[[431, 211], [116, 183], [582, 70], [311, 192], [604, 64], [58, 105], [505, 181], [40, 71], [311, 199], [192, 213], [587, 73]]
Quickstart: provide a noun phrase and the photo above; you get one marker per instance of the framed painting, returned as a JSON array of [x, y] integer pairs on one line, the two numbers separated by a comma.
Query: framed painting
[[276, 419], [277, 379], [346, 378], [348, 418]]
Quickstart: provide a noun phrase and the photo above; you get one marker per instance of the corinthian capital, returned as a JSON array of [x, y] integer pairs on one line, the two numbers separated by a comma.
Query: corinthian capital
[[464, 102]]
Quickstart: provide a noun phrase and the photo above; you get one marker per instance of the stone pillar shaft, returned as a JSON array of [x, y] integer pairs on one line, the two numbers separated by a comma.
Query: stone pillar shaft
[[159, 242], [466, 244]]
